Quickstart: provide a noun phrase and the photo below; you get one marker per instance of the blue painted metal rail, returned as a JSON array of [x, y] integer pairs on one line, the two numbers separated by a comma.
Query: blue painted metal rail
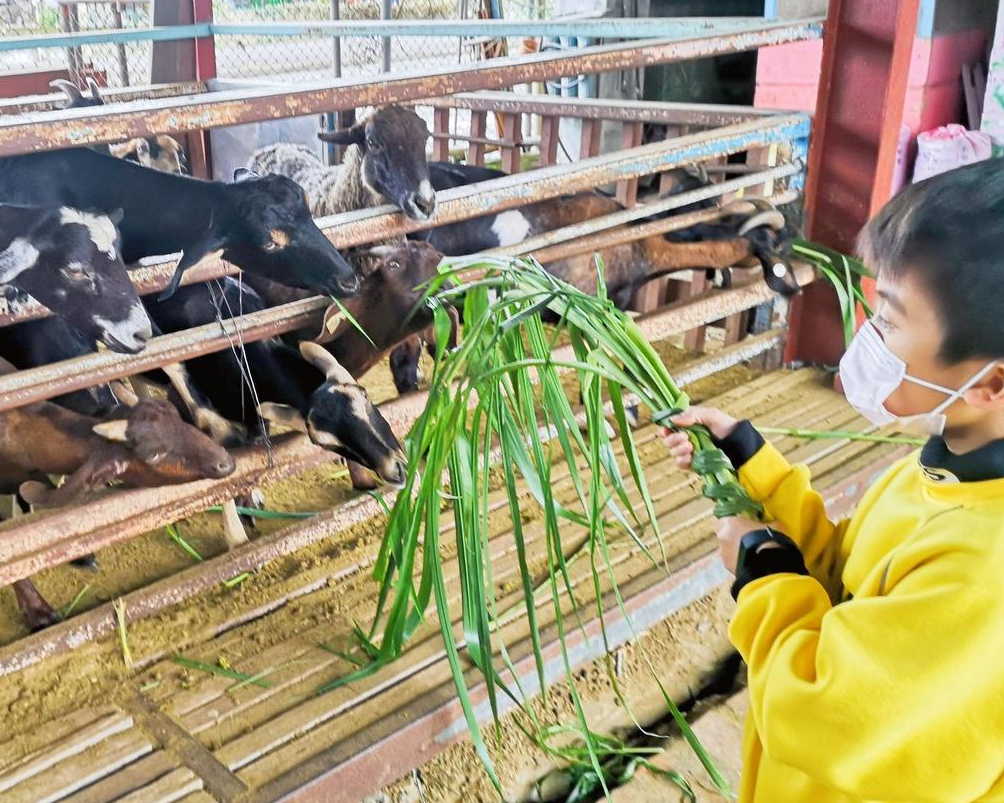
[[607, 28]]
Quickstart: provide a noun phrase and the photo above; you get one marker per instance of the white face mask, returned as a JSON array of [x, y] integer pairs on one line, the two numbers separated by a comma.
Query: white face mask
[[870, 373]]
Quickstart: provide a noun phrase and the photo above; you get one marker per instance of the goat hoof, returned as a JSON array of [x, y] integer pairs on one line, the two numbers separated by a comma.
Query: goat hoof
[[89, 562], [40, 617]]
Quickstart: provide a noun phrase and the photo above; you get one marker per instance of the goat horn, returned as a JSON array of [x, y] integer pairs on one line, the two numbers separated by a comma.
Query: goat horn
[[92, 85], [762, 204], [321, 358], [773, 219], [68, 88]]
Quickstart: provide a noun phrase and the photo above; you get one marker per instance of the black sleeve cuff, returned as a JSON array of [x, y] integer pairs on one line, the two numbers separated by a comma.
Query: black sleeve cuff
[[777, 560], [741, 445]]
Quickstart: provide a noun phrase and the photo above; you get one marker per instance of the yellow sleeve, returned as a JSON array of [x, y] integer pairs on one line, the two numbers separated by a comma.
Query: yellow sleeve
[[884, 698], [789, 501]]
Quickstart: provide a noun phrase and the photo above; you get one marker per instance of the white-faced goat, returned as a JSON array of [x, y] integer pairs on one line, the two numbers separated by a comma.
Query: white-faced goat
[[143, 446], [69, 261], [262, 225], [160, 152]]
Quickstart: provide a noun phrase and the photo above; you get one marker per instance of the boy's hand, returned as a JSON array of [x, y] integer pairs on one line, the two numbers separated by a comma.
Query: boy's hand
[[720, 424], [730, 532]]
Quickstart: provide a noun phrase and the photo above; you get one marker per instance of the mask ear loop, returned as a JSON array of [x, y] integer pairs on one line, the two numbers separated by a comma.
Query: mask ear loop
[[948, 391]]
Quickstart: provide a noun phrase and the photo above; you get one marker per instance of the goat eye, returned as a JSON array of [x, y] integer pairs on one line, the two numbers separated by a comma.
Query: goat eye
[[372, 144], [393, 265], [75, 272], [271, 246]]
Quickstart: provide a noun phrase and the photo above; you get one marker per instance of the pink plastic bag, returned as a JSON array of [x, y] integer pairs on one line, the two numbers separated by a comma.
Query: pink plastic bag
[[950, 146]]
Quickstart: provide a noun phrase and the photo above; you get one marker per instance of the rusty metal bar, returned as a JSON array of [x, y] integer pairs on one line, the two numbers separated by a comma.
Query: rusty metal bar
[[549, 132], [631, 137], [149, 277], [479, 130], [50, 130], [54, 101], [512, 134], [441, 135], [36, 384], [644, 111]]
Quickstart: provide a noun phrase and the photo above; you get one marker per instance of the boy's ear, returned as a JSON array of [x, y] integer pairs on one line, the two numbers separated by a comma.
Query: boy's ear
[[989, 393]]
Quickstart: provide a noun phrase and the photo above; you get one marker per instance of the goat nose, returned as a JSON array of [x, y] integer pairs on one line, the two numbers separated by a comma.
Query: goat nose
[[426, 204], [224, 467], [349, 285]]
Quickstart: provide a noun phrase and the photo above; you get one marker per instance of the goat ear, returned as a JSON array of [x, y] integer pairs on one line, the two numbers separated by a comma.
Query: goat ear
[[209, 242], [92, 85], [68, 88], [16, 258], [243, 174], [116, 216], [282, 414], [34, 493], [346, 136], [380, 251], [321, 358], [112, 430]]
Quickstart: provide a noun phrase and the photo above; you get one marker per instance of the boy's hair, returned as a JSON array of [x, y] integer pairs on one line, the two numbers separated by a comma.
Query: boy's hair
[[948, 232]]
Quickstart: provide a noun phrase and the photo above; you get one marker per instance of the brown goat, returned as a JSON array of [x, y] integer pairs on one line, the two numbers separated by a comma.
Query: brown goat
[[145, 446]]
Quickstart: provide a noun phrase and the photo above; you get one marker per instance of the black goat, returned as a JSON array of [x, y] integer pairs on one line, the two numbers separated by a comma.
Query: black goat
[[69, 261], [262, 225], [306, 390]]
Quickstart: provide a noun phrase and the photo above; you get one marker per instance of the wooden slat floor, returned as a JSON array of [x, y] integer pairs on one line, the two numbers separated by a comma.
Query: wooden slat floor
[[194, 738]]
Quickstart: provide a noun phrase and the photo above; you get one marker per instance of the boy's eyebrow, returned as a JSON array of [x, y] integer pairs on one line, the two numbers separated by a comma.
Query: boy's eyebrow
[[892, 300]]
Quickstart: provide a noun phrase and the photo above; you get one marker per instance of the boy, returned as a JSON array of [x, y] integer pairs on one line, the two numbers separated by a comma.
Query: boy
[[875, 646]]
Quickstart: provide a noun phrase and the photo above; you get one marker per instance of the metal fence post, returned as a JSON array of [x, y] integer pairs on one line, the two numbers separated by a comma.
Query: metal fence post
[[385, 9]]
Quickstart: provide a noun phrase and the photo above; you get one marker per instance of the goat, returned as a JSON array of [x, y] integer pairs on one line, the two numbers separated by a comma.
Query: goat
[[383, 163], [160, 152], [262, 225], [69, 261], [145, 446], [306, 390], [744, 240]]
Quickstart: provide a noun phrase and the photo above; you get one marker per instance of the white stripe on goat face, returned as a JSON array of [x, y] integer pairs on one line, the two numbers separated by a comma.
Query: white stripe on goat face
[[133, 331], [511, 227], [425, 191], [101, 229], [16, 258]]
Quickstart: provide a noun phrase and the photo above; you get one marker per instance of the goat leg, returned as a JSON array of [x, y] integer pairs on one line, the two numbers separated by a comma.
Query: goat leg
[[233, 531], [38, 614]]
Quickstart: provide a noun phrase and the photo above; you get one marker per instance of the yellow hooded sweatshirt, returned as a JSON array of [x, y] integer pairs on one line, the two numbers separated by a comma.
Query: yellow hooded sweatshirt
[[880, 677]]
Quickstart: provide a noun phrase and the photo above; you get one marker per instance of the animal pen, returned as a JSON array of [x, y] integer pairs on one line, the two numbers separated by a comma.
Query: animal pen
[[155, 731]]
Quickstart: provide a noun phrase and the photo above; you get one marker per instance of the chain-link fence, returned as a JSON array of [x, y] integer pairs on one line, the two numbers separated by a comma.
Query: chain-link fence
[[109, 64], [316, 57], [293, 59]]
